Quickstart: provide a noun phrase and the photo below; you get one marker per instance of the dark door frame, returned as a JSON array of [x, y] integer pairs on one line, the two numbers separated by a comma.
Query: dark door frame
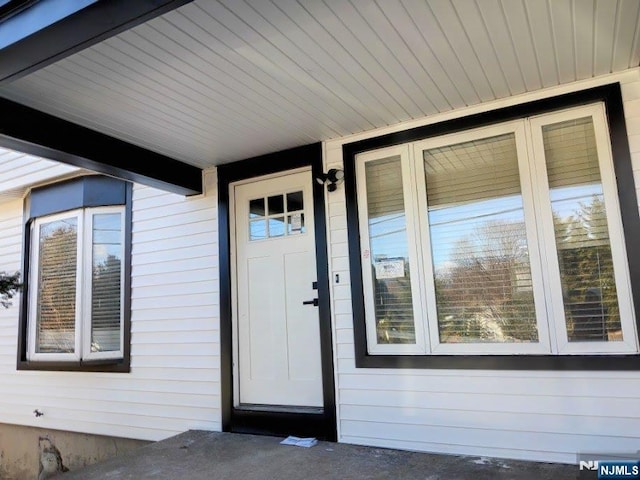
[[267, 421]]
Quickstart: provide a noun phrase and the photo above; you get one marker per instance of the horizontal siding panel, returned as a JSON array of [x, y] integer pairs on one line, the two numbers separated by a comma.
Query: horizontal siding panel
[[489, 437], [518, 422], [490, 403], [188, 209], [189, 315], [178, 336], [180, 374], [119, 387], [82, 397], [514, 386], [203, 350], [203, 215], [209, 287], [468, 451], [166, 267], [170, 254], [209, 274], [175, 300], [195, 240], [155, 233], [200, 362], [133, 421]]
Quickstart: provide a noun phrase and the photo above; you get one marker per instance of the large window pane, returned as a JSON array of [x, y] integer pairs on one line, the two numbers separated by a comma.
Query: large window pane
[[105, 291], [581, 232], [479, 248], [389, 255], [56, 308]]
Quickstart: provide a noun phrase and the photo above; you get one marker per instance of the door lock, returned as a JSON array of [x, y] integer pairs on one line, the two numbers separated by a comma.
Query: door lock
[[313, 302]]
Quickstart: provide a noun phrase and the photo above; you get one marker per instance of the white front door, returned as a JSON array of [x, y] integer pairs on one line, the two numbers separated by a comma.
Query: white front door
[[277, 337]]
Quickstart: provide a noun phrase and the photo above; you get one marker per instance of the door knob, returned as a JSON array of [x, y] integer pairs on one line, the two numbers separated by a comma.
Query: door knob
[[313, 302]]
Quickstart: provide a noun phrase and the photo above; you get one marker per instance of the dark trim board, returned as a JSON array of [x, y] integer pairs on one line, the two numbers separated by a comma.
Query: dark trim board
[[37, 133], [611, 96], [321, 425], [68, 35]]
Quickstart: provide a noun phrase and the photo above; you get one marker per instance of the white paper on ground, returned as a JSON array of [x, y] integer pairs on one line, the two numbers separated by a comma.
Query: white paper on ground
[[299, 442]]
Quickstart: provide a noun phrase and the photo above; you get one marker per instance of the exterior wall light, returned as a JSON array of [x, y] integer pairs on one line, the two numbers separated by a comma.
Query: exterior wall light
[[332, 179]]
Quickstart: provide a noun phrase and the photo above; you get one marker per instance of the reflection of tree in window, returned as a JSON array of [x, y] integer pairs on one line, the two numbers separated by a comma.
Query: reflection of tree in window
[[57, 287], [485, 294], [586, 269]]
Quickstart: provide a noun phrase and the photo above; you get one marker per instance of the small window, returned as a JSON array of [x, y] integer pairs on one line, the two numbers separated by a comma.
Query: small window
[[276, 216], [76, 300]]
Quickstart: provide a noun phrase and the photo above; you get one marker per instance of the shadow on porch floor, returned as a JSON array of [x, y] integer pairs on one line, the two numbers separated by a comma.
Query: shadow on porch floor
[[197, 455]]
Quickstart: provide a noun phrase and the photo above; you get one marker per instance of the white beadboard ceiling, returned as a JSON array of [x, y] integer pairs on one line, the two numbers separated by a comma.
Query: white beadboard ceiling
[[221, 80]]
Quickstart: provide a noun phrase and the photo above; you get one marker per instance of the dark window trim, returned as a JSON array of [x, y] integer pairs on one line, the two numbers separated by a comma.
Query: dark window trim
[[321, 425], [94, 191], [611, 96]]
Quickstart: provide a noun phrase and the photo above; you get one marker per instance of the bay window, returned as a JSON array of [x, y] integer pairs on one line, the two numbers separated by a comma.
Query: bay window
[[76, 303], [78, 273], [499, 240]]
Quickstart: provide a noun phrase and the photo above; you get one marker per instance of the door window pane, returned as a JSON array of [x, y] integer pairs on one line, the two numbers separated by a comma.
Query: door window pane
[[256, 208], [276, 227], [581, 232], [483, 285], [389, 254], [294, 202], [276, 205], [56, 310], [258, 229]]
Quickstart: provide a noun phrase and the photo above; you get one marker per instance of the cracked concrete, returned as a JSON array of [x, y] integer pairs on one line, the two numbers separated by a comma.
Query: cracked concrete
[[198, 455]]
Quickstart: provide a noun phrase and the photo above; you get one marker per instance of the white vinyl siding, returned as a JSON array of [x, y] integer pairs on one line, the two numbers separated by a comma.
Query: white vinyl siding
[[174, 383], [535, 415]]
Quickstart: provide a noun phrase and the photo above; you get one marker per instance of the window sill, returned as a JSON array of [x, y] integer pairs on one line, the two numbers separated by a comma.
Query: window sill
[[106, 365], [501, 362]]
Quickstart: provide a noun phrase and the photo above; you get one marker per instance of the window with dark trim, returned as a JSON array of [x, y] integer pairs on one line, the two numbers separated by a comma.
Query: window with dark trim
[[76, 307], [496, 245]]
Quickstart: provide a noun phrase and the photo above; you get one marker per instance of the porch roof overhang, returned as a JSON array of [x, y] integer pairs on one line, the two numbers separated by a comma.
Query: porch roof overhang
[[36, 34], [215, 81]]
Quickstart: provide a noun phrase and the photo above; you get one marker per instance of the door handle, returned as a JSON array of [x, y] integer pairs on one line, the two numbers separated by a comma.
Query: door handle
[[313, 302]]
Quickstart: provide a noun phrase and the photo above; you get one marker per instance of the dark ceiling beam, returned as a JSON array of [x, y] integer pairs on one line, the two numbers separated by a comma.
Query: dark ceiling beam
[[37, 133], [66, 36]]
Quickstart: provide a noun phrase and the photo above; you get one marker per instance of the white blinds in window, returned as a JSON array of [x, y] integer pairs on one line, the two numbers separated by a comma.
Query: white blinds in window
[[389, 254], [479, 247], [57, 270], [581, 231], [106, 284]]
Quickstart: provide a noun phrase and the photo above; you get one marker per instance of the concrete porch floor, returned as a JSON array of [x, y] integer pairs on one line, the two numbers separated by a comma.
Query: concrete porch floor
[[197, 455]]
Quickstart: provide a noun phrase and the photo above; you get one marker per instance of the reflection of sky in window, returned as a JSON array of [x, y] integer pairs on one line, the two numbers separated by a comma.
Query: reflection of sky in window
[[388, 237], [106, 237], [566, 200]]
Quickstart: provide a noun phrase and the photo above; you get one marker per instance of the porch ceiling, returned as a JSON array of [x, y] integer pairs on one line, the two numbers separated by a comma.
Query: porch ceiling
[[221, 80]]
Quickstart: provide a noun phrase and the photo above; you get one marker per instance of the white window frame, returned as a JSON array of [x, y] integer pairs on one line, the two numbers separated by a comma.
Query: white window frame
[[83, 286], [545, 272], [542, 345], [555, 304], [414, 263]]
